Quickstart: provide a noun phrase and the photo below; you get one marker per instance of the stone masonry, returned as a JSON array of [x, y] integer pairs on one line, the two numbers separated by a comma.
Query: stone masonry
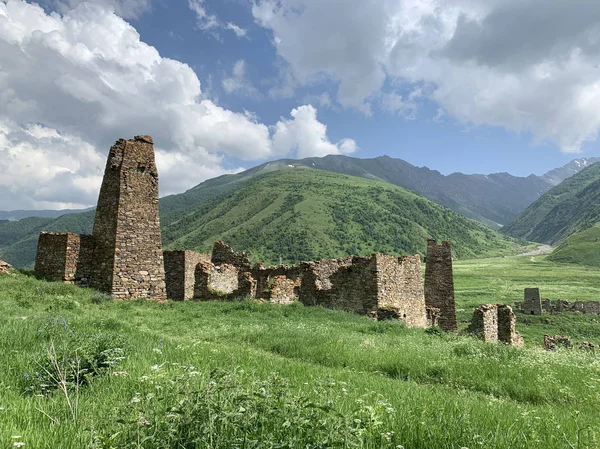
[[495, 322], [532, 305], [180, 272], [223, 282], [439, 283], [128, 257], [124, 257], [223, 254], [65, 257]]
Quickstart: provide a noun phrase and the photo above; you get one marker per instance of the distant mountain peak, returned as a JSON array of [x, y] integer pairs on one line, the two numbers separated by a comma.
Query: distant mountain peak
[[559, 174]]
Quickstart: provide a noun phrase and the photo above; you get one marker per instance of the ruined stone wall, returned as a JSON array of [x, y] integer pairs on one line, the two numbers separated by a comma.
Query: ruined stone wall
[[64, 257], [316, 280], [495, 322], [268, 290], [222, 282], [282, 290], [507, 326], [180, 273], [400, 288], [532, 305], [223, 254], [128, 258], [439, 283], [484, 323]]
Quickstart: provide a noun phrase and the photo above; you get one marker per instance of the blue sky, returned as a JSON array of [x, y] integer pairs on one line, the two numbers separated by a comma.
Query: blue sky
[[446, 145], [223, 85]]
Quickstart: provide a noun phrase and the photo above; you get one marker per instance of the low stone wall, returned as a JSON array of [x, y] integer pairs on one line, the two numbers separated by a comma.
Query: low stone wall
[[495, 322], [65, 257], [180, 273], [562, 305]]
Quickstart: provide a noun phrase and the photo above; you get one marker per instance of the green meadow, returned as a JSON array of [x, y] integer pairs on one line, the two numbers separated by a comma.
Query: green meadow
[[78, 370]]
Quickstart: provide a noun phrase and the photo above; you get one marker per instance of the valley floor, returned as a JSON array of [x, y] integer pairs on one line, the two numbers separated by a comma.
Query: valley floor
[[243, 374]]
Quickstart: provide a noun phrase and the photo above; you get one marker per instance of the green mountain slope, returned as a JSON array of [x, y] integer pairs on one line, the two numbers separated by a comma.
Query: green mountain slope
[[581, 248], [570, 207], [297, 214]]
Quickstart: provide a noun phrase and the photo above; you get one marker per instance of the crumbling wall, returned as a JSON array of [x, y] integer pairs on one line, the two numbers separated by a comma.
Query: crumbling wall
[[282, 290], [279, 284], [128, 257], [484, 323], [532, 304], [507, 326], [222, 282], [439, 283], [316, 280], [65, 257], [180, 273], [400, 288], [495, 322], [223, 254]]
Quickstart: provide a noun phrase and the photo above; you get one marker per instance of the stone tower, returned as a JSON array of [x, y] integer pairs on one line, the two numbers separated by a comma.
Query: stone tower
[[439, 283], [128, 257]]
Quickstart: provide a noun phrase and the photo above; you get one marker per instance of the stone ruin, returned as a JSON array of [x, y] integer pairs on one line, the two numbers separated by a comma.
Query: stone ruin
[[439, 284], [532, 304], [379, 286], [123, 257], [5, 267], [495, 323]]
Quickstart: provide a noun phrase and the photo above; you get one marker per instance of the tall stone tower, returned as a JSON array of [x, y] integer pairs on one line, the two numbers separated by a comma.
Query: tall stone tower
[[128, 257], [439, 283]]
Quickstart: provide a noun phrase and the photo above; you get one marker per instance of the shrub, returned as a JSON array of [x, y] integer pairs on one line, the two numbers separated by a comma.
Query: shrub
[[70, 358]]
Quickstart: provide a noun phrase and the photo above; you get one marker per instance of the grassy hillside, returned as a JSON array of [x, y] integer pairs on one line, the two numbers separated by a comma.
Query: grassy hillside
[[296, 214], [305, 214], [242, 374], [572, 206], [580, 248]]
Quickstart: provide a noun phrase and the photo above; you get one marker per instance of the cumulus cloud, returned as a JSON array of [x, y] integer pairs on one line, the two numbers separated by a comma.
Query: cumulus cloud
[[211, 23], [523, 65], [305, 135], [71, 85], [128, 9]]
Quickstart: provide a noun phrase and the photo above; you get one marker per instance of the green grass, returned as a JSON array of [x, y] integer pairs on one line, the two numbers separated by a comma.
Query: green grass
[[199, 372], [502, 280], [580, 248]]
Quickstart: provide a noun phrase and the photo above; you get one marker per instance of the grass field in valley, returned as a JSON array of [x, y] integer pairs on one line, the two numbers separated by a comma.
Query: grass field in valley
[[242, 374]]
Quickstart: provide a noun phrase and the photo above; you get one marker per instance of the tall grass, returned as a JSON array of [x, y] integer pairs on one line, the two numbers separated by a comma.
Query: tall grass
[[258, 375]]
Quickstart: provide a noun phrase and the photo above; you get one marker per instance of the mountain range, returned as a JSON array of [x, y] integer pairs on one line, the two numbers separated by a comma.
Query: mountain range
[[493, 199], [289, 214]]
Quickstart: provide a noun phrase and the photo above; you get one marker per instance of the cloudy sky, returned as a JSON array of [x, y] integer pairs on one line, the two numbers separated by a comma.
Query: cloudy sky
[[457, 85]]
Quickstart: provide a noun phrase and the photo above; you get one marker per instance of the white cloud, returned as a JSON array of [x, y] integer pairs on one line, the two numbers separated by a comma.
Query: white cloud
[[238, 82], [124, 8], [526, 65], [211, 23], [307, 136], [71, 85]]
